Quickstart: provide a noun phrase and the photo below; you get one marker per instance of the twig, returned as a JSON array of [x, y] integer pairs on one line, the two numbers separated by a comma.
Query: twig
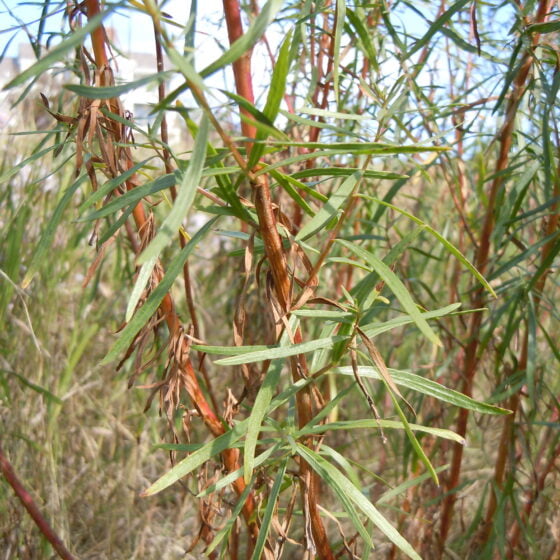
[[31, 507]]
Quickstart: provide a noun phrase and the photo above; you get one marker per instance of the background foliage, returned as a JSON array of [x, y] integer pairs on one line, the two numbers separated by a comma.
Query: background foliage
[[323, 293]]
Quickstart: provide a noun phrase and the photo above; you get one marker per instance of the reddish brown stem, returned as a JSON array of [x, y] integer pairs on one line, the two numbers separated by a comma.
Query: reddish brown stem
[[242, 66], [515, 532], [507, 430], [282, 284], [167, 309], [169, 169], [31, 507], [481, 262]]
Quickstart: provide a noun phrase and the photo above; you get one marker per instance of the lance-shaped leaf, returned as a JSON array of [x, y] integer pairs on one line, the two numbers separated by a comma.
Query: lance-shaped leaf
[[350, 497], [197, 458], [330, 208], [427, 387], [247, 40], [258, 412], [92, 92], [447, 244], [396, 286], [75, 39], [48, 234], [340, 17], [132, 197], [111, 185], [376, 424], [185, 197], [437, 25], [264, 528], [152, 303], [141, 282], [281, 351]]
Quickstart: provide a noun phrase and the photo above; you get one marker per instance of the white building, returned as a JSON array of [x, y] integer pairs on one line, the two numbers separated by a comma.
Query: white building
[[132, 67]]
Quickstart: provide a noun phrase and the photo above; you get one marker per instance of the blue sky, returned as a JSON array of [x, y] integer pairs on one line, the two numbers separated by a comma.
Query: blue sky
[[134, 31]]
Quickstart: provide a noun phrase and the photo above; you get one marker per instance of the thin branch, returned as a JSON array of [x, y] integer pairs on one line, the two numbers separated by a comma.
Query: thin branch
[[32, 508]]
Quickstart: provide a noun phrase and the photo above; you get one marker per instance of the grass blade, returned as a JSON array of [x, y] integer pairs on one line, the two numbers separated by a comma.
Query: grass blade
[[48, 234]]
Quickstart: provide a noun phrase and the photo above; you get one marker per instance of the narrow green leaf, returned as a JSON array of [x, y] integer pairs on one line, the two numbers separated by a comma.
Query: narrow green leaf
[[266, 521], [234, 475], [229, 350], [317, 124], [523, 256], [191, 30], [143, 314], [13, 170], [532, 346], [348, 425], [348, 493], [258, 412], [397, 287], [350, 472], [330, 208], [259, 116], [92, 92], [132, 197], [143, 277], [226, 529], [185, 197], [427, 387], [344, 172], [338, 482], [278, 80], [247, 40], [274, 98], [285, 181], [75, 39], [412, 437], [37, 388], [447, 244], [48, 234], [227, 440], [332, 114], [437, 25], [340, 17], [365, 291], [390, 494], [357, 21], [337, 149], [546, 263], [111, 185], [302, 186], [197, 458], [546, 27], [378, 148], [280, 352], [184, 65], [324, 314], [374, 329]]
